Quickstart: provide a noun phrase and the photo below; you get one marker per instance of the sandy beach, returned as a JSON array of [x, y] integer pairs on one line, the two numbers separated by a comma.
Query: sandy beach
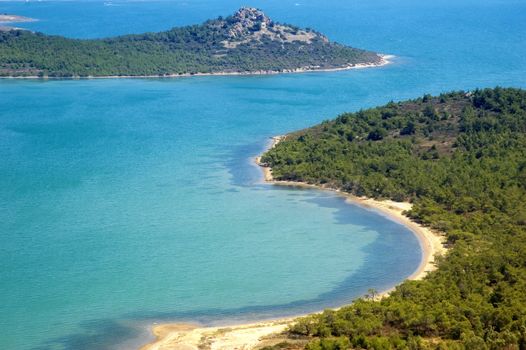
[[259, 334], [193, 337], [384, 60]]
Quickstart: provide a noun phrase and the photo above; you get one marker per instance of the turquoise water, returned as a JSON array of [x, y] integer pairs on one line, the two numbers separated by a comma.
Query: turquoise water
[[128, 202]]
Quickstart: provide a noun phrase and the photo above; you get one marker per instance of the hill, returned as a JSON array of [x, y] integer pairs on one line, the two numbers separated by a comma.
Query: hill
[[246, 42], [461, 159]]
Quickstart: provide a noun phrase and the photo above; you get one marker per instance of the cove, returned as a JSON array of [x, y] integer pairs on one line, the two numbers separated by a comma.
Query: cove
[[128, 202], [143, 204]]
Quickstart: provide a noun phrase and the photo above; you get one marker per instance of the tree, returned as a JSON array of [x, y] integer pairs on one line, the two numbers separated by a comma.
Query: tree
[[408, 129], [371, 294], [466, 177], [377, 134]]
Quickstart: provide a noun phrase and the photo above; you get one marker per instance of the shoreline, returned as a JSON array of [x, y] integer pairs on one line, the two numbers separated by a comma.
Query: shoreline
[[5, 18], [173, 336], [431, 242], [384, 60]]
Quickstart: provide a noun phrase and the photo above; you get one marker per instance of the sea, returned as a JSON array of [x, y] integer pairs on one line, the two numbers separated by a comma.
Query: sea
[[126, 203]]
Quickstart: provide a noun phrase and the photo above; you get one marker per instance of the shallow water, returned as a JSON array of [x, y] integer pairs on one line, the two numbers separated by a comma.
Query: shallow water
[[127, 202]]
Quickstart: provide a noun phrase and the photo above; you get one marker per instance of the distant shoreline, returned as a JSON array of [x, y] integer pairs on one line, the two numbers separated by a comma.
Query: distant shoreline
[[172, 336], [8, 19], [5, 18], [384, 60]]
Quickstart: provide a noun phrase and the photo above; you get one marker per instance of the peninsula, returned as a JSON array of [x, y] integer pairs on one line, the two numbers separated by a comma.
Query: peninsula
[[6, 18], [453, 163], [459, 158], [248, 42]]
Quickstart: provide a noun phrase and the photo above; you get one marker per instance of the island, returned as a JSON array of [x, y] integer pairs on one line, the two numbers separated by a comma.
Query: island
[[248, 42]]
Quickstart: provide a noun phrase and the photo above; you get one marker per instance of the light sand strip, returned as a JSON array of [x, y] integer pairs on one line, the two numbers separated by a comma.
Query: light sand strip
[[384, 60]]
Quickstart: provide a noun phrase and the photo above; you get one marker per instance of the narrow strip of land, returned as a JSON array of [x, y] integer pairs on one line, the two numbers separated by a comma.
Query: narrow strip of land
[[6, 18], [384, 60]]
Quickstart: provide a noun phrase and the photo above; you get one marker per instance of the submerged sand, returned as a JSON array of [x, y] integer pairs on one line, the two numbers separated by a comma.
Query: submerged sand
[[257, 335]]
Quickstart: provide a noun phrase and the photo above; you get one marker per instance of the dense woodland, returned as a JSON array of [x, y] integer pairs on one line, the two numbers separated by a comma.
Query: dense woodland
[[186, 50], [461, 159]]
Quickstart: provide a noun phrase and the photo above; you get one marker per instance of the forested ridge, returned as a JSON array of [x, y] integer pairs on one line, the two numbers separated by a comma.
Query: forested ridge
[[461, 159], [247, 41]]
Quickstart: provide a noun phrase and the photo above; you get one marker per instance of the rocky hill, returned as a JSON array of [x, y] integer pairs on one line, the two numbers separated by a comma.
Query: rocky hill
[[252, 25]]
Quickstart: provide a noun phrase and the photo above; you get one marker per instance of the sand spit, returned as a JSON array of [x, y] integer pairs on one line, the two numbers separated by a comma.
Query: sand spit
[[187, 337], [5, 18]]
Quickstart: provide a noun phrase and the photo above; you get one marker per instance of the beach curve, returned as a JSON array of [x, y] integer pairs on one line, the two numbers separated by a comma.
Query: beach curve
[[431, 242], [258, 334]]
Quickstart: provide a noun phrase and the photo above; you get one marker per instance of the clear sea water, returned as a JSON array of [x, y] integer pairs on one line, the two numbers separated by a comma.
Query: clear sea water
[[129, 202]]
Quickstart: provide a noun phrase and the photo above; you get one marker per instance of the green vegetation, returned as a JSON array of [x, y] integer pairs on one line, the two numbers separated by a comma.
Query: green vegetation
[[461, 159], [245, 42]]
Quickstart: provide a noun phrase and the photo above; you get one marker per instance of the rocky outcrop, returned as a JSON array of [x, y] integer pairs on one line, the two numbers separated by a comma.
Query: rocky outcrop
[[248, 20], [251, 25]]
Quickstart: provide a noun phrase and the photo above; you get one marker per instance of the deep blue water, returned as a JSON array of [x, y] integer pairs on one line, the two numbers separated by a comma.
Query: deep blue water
[[128, 202]]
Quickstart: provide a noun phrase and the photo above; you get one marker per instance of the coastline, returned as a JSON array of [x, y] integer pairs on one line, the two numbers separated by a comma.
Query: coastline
[[5, 18], [431, 242], [195, 337], [384, 60], [258, 334]]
